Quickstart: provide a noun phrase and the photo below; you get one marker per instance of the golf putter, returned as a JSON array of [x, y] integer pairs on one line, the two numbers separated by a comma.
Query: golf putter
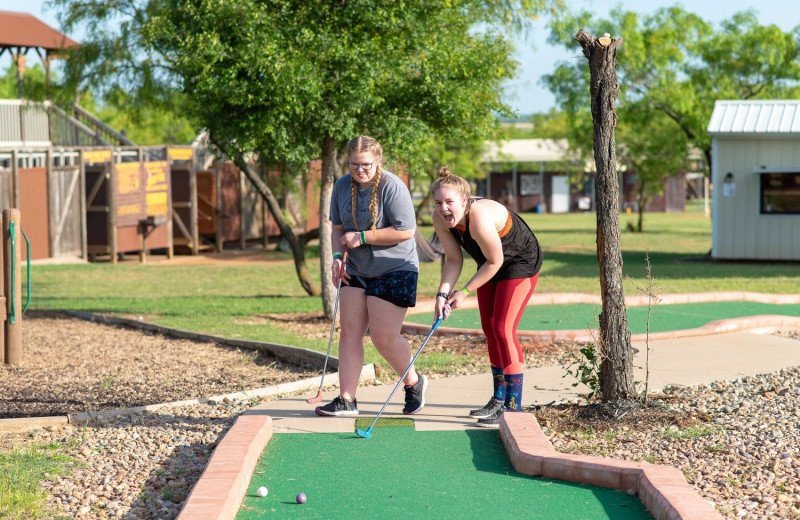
[[368, 433], [317, 398]]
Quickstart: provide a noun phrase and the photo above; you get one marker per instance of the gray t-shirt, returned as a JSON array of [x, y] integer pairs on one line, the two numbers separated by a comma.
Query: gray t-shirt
[[395, 209]]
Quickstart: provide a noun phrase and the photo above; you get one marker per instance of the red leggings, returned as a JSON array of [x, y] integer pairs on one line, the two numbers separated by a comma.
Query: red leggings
[[501, 305]]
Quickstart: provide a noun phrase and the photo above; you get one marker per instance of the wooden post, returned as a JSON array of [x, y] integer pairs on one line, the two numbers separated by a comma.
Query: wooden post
[[193, 229], [218, 205], [111, 217], [616, 352], [242, 212], [13, 329]]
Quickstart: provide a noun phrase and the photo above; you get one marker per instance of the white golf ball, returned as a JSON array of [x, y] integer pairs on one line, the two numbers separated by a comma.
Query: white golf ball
[[262, 491]]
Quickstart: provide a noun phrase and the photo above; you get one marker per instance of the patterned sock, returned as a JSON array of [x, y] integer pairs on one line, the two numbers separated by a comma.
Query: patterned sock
[[513, 392], [499, 384]]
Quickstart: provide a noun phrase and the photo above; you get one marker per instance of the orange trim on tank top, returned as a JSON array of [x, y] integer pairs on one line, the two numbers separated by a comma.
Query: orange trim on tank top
[[503, 232]]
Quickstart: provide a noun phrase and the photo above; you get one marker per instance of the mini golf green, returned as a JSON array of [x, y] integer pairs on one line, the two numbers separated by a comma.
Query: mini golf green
[[401, 473], [583, 316]]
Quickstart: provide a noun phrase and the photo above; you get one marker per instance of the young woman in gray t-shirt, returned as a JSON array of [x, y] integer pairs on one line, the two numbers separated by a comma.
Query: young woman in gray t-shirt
[[373, 219]]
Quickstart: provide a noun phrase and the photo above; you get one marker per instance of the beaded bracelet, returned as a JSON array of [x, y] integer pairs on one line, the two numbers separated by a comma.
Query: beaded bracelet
[[442, 295], [337, 255], [465, 290], [363, 238]]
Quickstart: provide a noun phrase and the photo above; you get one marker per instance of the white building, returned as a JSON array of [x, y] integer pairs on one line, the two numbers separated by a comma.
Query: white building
[[755, 173]]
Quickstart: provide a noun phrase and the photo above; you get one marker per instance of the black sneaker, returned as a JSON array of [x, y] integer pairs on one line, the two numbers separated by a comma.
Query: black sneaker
[[491, 407], [415, 396], [338, 406], [493, 421]]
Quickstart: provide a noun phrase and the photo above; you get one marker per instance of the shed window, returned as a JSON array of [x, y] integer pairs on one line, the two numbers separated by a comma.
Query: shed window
[[780, 193]]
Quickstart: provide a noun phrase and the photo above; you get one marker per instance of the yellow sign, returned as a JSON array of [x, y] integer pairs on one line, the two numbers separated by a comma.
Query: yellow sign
[[96, 156], [156, 173], [157, 203], [180, 154], [129, 177]]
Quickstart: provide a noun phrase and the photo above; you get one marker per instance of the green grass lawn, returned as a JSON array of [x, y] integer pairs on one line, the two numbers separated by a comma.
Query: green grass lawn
[[222, 299]]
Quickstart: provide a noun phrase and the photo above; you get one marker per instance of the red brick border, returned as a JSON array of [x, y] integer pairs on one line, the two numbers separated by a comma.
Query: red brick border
[[662, 489], [221, 488]]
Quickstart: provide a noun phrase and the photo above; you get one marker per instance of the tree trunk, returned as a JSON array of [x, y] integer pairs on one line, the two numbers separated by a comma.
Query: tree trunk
[[329, 167], [423, 205], [616, 368], [298, 247]]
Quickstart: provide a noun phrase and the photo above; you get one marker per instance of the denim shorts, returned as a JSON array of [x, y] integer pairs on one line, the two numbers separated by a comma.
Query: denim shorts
[[396, 287]]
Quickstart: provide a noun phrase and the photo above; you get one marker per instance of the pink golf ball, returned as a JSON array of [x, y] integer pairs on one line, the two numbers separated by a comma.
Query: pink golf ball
[[301, 498]]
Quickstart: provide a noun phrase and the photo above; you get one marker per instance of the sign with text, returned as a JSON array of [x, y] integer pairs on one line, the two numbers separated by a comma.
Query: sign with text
[[129, 193], [157, 188]]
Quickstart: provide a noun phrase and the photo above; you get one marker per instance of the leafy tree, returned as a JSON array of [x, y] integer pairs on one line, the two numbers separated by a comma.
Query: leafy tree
[[281, 82], [675, 64], [33, 83]]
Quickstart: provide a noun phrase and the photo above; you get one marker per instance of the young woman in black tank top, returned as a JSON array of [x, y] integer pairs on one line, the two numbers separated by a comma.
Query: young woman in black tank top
[[508, 258]]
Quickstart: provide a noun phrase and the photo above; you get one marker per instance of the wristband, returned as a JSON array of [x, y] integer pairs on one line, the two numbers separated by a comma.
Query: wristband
[[363, 239], [465, 290], [337, 255], [442, 295]]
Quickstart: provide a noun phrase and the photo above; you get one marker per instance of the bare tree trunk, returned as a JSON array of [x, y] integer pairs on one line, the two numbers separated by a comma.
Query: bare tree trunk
[[329, 167], [297, 246], [616, 369]]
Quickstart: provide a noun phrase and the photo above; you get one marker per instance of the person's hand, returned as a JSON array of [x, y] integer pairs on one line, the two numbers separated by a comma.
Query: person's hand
[[338, 269], [441, 309], [455, 299], [351, 239]]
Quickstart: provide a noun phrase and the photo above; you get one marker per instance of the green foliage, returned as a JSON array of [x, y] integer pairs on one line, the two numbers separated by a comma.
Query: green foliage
[[33, 83], [672, 66], [276, 77], [586, 370]]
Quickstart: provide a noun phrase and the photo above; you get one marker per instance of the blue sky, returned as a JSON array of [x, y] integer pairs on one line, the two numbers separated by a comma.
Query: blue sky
[[536, 57]]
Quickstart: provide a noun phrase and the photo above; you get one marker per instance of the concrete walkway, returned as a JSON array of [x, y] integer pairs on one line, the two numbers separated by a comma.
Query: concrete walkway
[[679, 361]]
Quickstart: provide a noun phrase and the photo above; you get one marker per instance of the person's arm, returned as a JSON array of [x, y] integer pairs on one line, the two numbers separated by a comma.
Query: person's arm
[[387, 236], [484, 231], [451, 270], [398, 210]]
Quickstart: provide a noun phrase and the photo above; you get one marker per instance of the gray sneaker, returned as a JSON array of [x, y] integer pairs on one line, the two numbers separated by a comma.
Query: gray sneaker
[[338, 407], [493, 421], [415, 395], [491, 407]]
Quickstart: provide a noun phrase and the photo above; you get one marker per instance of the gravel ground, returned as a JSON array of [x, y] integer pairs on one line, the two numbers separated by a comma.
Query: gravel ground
[[736, 441]]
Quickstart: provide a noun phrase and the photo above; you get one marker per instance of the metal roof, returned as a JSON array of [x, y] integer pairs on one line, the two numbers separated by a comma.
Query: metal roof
[[755, 117], [25, 30], [527, 150]]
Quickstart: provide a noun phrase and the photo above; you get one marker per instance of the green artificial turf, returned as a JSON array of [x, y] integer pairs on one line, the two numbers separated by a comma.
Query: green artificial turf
[[583, 316], [401, 473]]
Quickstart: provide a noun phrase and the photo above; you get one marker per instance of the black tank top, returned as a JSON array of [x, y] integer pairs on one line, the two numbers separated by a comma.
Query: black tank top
[[522, 256]]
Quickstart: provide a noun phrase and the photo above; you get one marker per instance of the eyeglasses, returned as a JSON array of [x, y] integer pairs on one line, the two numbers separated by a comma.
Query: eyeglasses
[[365, 166]]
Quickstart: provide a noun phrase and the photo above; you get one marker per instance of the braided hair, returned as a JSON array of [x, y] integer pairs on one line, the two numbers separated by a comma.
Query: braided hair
[[360, 144]]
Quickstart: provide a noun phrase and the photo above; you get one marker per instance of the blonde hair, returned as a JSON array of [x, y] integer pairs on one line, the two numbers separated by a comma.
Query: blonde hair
[[454, 182], [361, 144]]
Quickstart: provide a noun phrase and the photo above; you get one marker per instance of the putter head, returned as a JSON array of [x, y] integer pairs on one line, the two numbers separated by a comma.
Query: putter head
[[317, 398], [366, 434]]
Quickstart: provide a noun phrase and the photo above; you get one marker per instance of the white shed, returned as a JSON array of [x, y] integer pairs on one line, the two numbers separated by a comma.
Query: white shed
[[755, 172]]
